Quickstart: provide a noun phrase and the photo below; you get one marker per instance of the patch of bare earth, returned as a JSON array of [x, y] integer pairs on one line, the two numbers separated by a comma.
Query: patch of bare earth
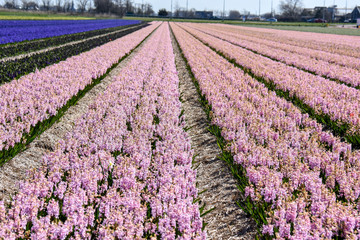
[[227, 220], [15, 170]]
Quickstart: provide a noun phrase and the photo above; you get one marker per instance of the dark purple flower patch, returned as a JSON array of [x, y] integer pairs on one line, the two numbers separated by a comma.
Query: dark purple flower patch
[[22, 30]]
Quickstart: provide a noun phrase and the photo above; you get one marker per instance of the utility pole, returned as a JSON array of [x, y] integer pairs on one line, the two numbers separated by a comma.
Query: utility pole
[[187, 8], [223, 11], [259, 9], [171, 10], [142, 7], [272, 15], [345, 10], [324, 11]]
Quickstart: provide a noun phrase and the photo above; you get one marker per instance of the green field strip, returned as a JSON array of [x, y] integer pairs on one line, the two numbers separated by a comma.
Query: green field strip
[[39, 128]]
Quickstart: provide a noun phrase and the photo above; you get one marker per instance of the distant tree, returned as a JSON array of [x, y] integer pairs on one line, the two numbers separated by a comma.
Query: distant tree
[[191, 13], [323, 12], [29, 5], [162, 12], [245, 12], [139, 9], [118, 8], [90, 8], [176, 9], [66, 5], [291, 10], [234, 14], [103, 6], [58, 5], [307, 12], [82, 5], [318, 13], [267, 15], [46, 4], [148, 9], [129, 7], [33, 5], [24, 4], [11, 4]]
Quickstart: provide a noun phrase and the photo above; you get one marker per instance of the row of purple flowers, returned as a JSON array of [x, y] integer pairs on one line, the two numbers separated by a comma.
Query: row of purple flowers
[[12, 31]]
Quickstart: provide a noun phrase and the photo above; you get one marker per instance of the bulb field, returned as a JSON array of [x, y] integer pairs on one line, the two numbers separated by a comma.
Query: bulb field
[[95, 140]]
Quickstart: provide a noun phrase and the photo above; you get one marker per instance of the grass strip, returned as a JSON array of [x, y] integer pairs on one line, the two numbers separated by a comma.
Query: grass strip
[[17, 14], [38, 129]]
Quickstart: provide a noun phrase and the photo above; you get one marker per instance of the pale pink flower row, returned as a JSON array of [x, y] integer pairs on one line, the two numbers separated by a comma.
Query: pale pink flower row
[[292, 166], [338, 101], [331, 43], [146, 192], [37, 96], [259, 37], [347, 73]]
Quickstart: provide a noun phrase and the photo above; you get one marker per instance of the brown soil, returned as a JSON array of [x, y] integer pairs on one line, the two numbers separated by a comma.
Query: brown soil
[[227, 220]]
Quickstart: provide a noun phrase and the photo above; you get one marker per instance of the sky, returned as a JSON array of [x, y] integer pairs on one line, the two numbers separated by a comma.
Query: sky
[[240, 5]]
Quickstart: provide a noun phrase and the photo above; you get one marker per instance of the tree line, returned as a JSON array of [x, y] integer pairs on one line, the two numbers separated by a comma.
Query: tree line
[[294, 11], [117, 7], [289, 10]]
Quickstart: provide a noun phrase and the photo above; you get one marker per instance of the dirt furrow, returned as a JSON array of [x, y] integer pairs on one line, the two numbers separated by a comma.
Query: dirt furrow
[[15, 170], [227, 220]]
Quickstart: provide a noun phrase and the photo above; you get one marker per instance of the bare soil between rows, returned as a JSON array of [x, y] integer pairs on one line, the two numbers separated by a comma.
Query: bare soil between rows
[[227, 220]]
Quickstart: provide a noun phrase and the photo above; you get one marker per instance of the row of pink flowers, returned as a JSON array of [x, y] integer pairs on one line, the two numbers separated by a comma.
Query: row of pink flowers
[[338, 101], [301, 172], [38, 96], [299, 57], [331, 43], [83, 191]]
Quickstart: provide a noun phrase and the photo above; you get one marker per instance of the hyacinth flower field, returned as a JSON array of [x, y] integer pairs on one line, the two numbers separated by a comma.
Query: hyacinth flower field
[[38, 96], [181, 131]]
